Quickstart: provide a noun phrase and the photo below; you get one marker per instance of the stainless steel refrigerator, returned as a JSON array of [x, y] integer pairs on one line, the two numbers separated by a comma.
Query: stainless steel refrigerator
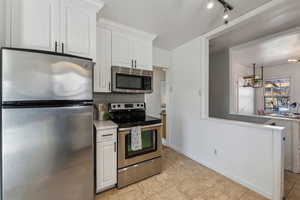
[[46, 126]]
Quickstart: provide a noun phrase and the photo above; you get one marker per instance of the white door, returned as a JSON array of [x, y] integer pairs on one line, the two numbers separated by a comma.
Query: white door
[[143, 54], [102, 73], [122, 50], [106, 165], [78, 29], [34, 24]]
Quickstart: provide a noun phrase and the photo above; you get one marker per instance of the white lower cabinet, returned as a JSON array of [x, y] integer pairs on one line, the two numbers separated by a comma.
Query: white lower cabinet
[[106, 160]]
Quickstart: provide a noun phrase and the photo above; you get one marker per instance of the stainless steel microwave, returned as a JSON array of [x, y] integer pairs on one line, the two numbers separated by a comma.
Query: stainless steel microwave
[[131, 80]]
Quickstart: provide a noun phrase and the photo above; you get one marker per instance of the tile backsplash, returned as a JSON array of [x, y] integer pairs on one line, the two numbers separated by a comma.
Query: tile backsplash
[[118, 98]]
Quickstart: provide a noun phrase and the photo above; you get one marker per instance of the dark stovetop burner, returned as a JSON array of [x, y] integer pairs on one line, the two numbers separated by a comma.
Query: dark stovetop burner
[[130, 115]]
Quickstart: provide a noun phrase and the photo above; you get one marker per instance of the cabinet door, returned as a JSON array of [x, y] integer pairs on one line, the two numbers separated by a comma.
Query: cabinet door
[[122, 50], [78, 28], [106, 165], [102, 73], [34, 24], [143, 54]]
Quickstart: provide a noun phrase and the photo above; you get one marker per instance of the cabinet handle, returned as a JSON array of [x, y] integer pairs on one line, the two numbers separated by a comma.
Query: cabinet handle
[[115, 146], [135, 63], [132, 63], [109, 85], [63, 47], [107, 135], [55, 46]]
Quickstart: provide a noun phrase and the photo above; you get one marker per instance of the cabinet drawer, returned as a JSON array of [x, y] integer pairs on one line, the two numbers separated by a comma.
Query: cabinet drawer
[[106, 135]]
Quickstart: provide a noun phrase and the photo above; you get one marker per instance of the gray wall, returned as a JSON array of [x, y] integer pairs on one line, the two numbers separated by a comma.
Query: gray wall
[[2, 23], [219, 75], [219, 84], [118, 98]]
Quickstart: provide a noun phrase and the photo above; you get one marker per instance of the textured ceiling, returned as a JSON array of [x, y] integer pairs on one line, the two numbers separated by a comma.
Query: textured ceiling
[[174, 21], [280, 18], [269, 51]]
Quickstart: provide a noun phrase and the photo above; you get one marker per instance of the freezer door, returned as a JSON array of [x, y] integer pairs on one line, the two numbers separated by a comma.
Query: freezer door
[[35, 76], [48, 153]]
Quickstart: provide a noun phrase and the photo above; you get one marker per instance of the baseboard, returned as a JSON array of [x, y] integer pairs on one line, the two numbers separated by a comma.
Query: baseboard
[[225, 173]]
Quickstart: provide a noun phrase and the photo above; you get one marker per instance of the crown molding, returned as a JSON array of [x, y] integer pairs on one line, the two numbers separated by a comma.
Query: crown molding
[[105, 23], [98, 3]]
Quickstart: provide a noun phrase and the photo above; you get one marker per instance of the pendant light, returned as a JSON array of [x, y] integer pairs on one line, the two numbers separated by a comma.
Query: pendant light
[[254, 81]]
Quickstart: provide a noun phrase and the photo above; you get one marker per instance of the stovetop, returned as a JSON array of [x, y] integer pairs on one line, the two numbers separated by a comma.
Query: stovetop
[[148, 120], [128, 115]]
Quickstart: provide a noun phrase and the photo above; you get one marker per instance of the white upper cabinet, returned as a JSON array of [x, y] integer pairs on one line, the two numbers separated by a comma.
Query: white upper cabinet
[[130, 47], [122, 50], [142, 51], [78, 28], [33, 24], [102, 70], [65, 26]]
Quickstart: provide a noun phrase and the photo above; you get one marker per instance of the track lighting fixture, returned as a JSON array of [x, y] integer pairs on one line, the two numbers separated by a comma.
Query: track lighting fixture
[[210, 4], [226, 14], [227, 8]]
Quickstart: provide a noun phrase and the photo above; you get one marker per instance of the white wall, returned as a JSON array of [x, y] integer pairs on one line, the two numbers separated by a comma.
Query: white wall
[[154, 100], [241, 151], [161, 61], [291, 71], [161, 57], [243, 99]]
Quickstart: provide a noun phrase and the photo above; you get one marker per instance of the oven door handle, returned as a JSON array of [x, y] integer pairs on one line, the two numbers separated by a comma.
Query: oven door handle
[[149, 126]]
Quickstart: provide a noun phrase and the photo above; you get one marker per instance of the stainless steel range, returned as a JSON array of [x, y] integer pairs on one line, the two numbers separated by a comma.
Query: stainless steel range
[[136, 165]]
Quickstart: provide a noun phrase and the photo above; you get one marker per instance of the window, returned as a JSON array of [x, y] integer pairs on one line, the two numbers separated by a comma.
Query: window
[[277, 95]]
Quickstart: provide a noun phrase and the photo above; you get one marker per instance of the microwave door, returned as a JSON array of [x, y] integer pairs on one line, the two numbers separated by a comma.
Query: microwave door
[[131, 80]]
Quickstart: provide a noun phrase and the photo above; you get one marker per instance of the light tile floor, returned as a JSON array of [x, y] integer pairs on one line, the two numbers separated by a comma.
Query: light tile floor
[[184, 179]]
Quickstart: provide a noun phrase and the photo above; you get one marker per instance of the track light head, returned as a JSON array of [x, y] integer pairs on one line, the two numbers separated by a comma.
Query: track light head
[[210, 4]]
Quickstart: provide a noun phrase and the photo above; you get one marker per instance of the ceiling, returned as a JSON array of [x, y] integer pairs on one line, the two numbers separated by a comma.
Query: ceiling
[[174, 21], [280, 18], [270, 51]]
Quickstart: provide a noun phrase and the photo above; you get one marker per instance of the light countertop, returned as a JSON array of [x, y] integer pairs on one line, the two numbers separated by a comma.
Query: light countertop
[[102, 125]]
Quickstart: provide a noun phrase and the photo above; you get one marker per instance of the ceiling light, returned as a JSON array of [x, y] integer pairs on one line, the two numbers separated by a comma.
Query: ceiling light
[[210, 4], [293, 60]]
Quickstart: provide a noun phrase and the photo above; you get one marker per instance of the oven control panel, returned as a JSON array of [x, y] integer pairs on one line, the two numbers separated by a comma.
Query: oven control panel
[[127, 106]]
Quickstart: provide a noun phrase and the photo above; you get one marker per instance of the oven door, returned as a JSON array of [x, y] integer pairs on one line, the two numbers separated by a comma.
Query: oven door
[[151, 146]]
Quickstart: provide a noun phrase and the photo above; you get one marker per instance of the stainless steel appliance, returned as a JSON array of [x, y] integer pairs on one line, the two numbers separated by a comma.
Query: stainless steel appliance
[[130, 80], [46, 126], [134, 166]]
